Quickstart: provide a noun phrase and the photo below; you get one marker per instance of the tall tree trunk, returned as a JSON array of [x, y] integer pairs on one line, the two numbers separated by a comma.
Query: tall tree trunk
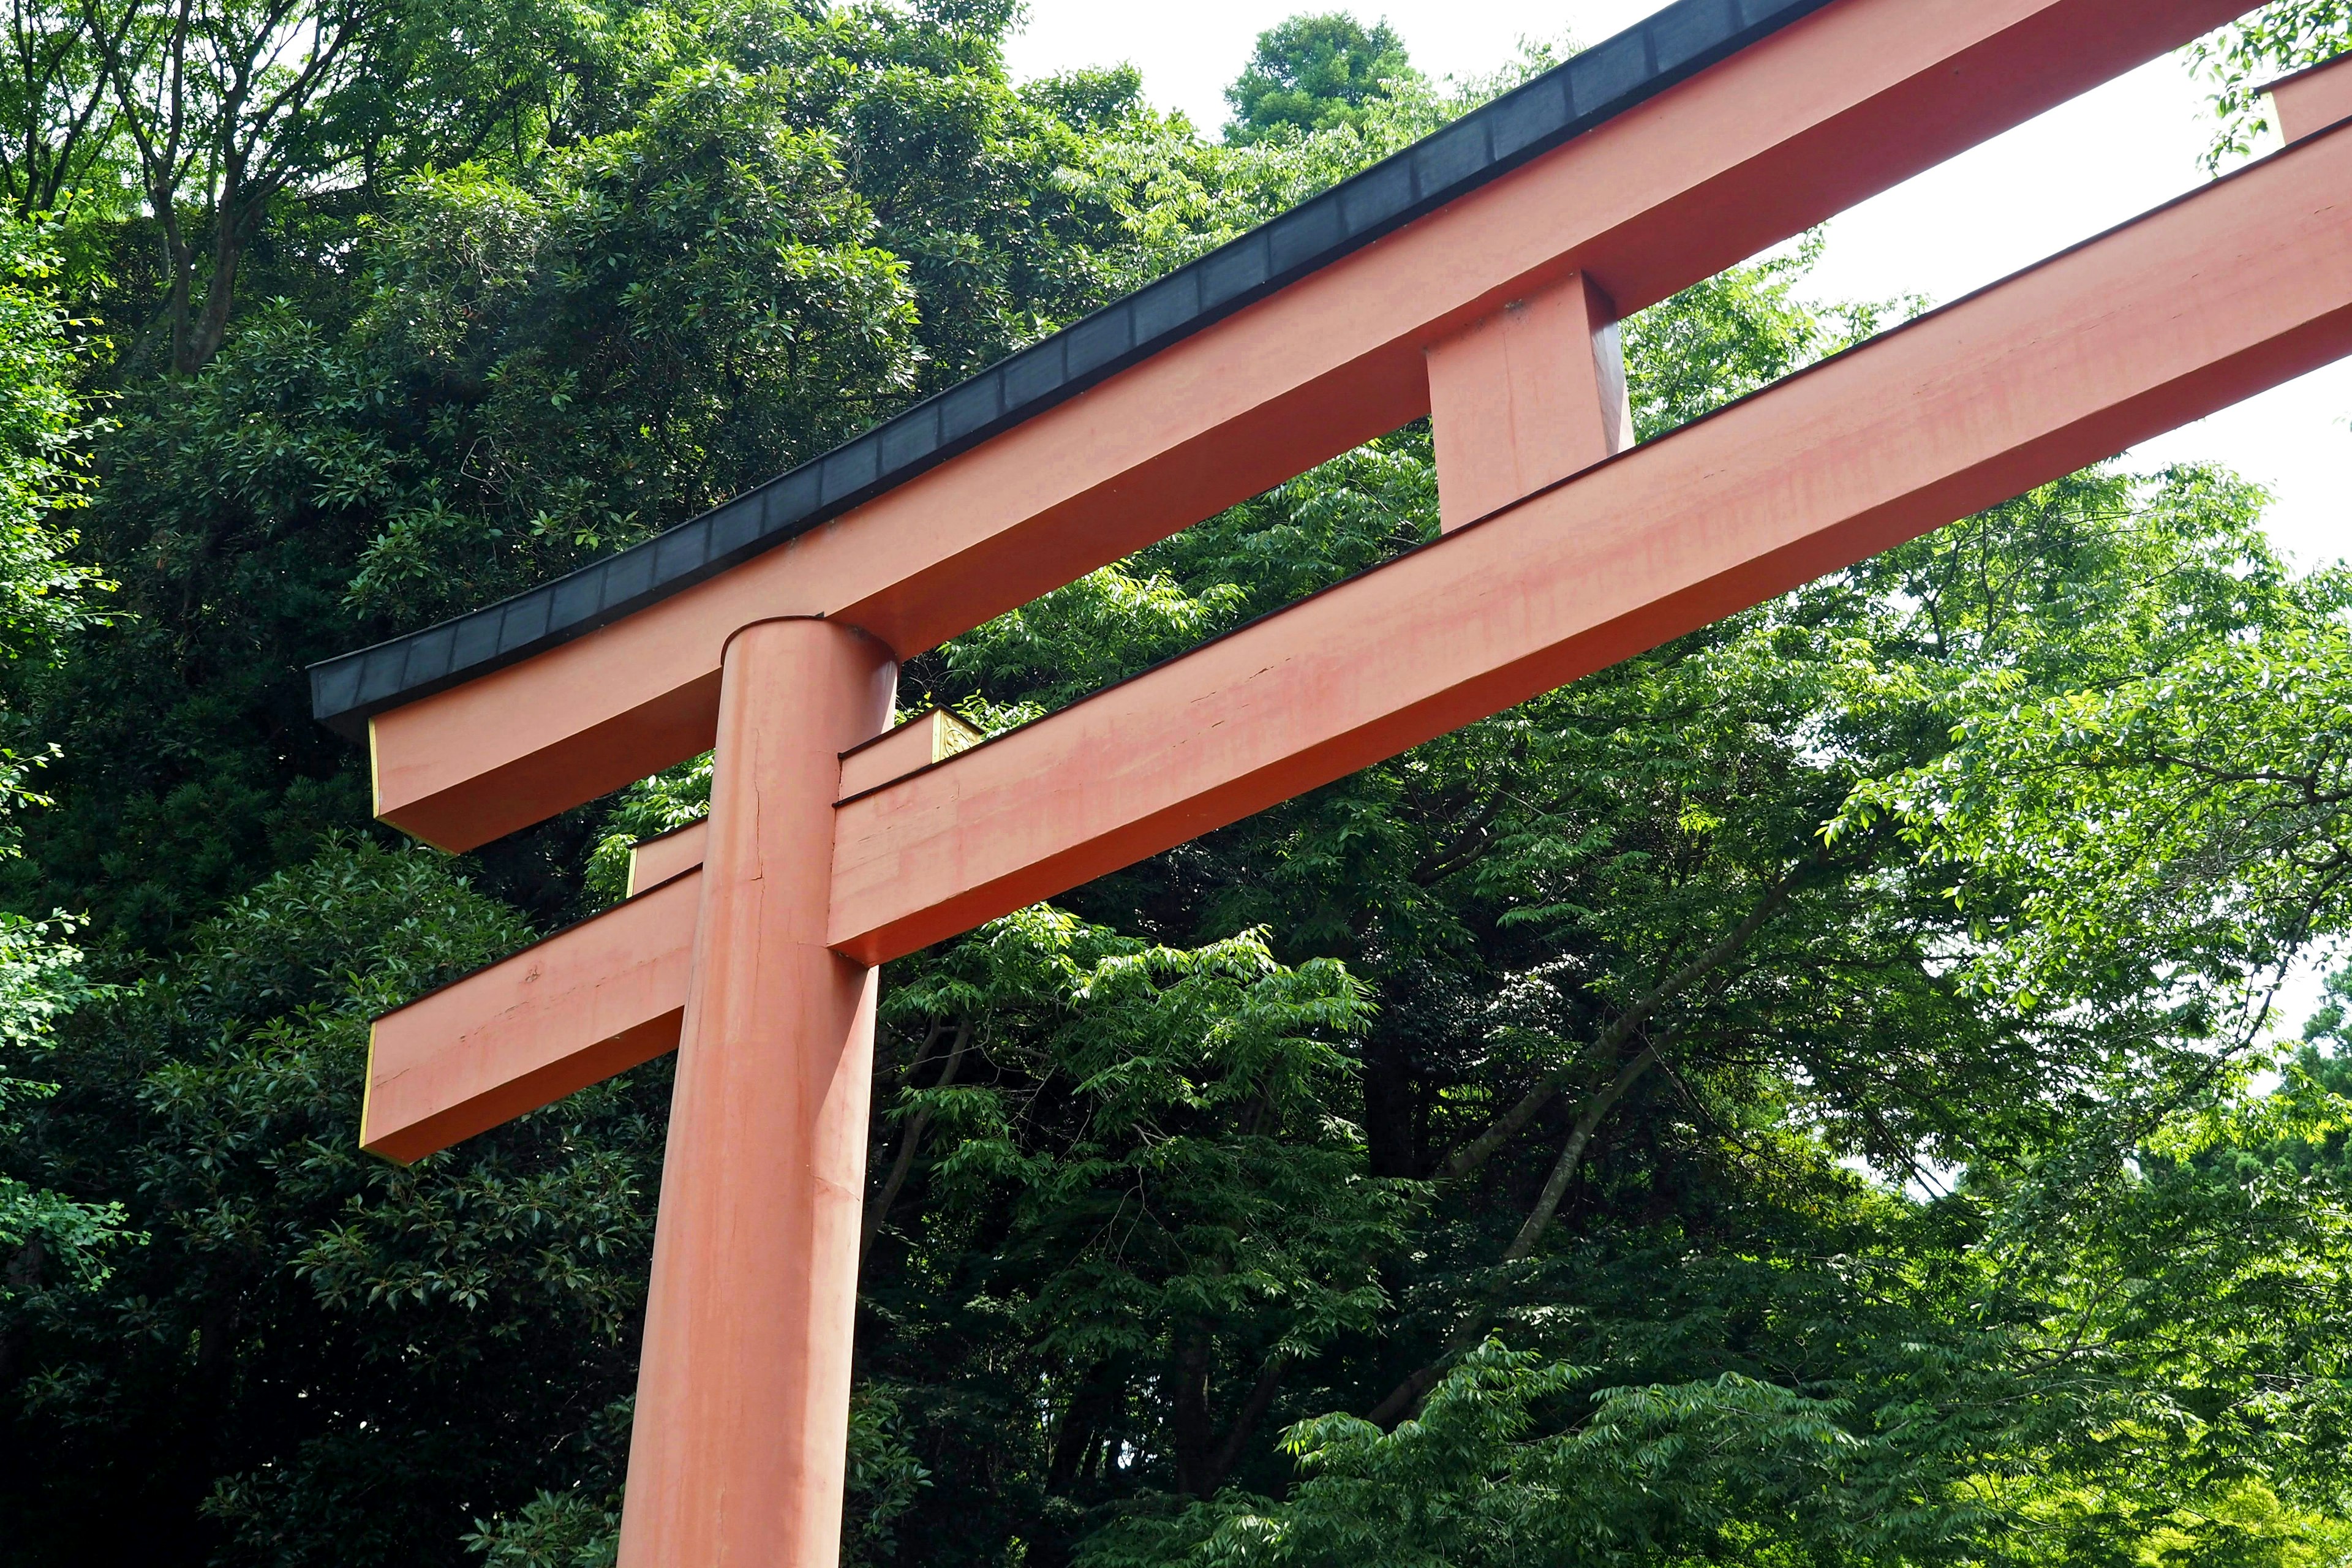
[[1253, 1411], [180, 267], [195, 347], [235, 221], [910, 1144], [1406, 1397], [1194, 1434], [1389, 1134], [1076, 1442]]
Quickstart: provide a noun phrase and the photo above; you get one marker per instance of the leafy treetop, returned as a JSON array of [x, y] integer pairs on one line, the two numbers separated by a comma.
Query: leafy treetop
[[1313, 73]]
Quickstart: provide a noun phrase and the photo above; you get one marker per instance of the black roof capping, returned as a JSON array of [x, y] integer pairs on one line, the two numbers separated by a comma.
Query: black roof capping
[[1645, 60]]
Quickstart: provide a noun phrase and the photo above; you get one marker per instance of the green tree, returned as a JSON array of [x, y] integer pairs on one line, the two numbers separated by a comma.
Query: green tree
[[55, 108], [804, 218], [58, 1249], [295, 1368], [1791, 1098], [54, 1247], [45, 595], [1313, 73]]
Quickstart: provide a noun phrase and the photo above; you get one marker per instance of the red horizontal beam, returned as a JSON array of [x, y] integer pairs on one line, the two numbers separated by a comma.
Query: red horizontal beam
[[1822, 114], [592, 1001], [589, 1002], [2310, 101], [2233, 290], [653, 861]]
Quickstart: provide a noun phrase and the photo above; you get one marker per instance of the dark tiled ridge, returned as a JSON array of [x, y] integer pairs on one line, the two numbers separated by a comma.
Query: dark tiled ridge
[[1645, 60]]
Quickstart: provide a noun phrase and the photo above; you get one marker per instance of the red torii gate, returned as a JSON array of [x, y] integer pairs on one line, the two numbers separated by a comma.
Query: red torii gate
[[1477, 278]]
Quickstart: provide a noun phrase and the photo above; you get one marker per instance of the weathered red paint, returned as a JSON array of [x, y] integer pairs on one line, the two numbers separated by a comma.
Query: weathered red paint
[[1525, 397], [1821, 115], [738, 1454]]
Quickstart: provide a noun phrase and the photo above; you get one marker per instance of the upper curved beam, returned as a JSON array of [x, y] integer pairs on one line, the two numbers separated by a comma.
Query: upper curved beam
[[1818, 113], [2228, 292], [1638, 64]]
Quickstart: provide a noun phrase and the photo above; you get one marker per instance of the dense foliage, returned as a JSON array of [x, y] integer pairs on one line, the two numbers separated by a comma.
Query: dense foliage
[[1312, 73], [1803, 1097]]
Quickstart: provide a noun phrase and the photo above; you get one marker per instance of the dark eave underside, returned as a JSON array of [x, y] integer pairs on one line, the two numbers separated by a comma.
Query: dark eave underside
[[1645, 60]]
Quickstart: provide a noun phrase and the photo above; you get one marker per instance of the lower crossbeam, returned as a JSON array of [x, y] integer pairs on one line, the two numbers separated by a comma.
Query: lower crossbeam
[[588, 1003]]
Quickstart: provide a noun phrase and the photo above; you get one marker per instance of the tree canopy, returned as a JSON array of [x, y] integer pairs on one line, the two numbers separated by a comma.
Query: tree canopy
[[1804, 1097], [1313, 73]]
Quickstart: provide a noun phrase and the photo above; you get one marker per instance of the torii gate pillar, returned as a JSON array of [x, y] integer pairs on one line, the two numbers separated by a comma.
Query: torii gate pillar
[[738, 1453]]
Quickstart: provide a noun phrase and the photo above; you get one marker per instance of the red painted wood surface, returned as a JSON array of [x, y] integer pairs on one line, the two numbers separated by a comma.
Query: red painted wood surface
[[656, 861], [1813, 118], [2240, 287], [2309, 103], [1525, 397], [932, 737], [739, 1448], [589, 1003], [2233, 290]]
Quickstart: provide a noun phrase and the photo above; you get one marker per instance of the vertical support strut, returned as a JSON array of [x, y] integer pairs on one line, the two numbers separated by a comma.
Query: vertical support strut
[[2309, 101], [1530, 394], [737, 1455]]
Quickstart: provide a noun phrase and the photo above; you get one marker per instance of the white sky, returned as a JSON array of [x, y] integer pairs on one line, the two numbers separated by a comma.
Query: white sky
[[2083, 168]]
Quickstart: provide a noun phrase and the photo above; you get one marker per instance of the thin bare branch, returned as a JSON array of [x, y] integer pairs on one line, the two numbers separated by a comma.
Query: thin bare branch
[[1571, 1153], [1407, 1396]]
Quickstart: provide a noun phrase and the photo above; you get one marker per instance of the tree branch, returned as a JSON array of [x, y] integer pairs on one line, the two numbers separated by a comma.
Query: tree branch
[[1407, 1396], [1253, 1411], [1483, 1148], [1571, 1153], [908, 1144]]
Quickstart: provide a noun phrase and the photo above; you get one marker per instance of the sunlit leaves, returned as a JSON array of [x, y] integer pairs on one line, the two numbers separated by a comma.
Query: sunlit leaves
[[2278, 40]]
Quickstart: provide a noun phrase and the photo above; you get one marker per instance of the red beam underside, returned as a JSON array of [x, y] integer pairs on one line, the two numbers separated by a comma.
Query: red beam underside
[[1811, 119]]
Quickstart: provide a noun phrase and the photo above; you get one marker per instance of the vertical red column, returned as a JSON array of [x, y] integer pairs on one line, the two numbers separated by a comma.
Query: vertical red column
[[1528, 395], [737, 1457]]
